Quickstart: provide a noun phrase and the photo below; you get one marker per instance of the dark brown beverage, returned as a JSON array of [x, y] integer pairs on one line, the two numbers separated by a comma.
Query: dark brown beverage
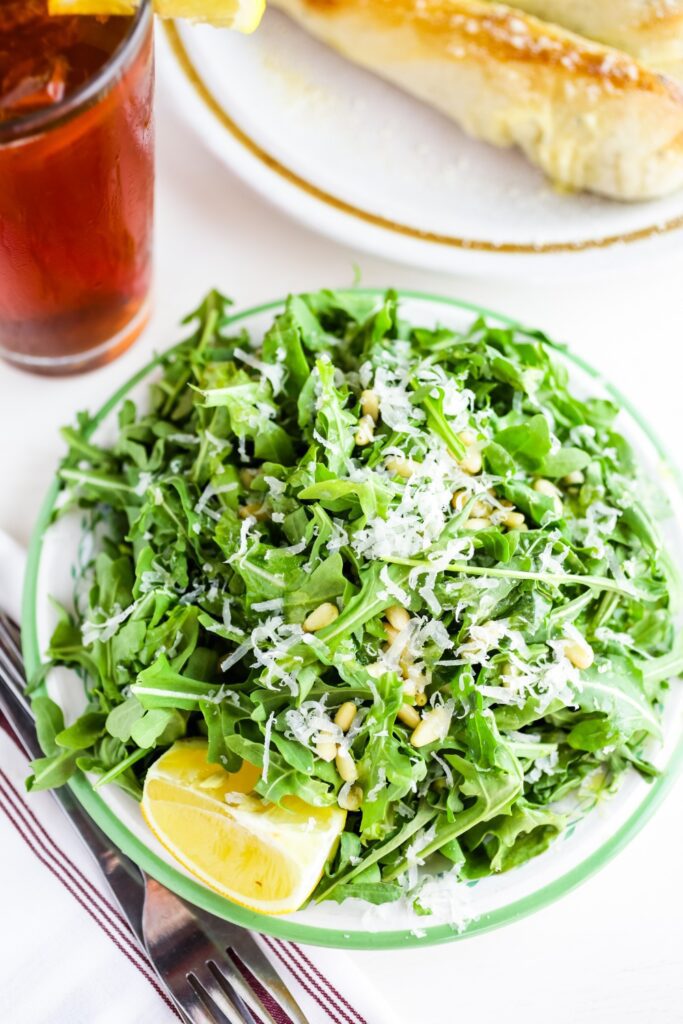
[[76, 184]]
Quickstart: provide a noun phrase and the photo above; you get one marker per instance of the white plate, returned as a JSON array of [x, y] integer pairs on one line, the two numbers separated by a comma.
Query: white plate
[[356, 159], [58, 550]]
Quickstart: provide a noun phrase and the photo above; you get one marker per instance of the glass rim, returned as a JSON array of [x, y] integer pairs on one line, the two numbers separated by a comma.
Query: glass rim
[[28, 125]]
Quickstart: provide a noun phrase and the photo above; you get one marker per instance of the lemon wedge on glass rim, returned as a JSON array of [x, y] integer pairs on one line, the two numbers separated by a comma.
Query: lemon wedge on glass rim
[[241, 15], [267, 857]]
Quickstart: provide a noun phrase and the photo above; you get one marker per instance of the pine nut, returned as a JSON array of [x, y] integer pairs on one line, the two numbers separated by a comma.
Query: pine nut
[[326, 746], [351, 798], [398, 616], [253, 509], [459, 500], [579, 652], [546, 487], [408, 715], [390, 631], [574, 479], [549, 490], [401, 465], [471, 462], [247, 476], [323, 615], [406, 659], [346, 766], [369, 403], [420, 699], [433, 726], [345, 715], [514, 520], [408, 688], [412, 673], [474, 524], [480, 510], [366, 431]]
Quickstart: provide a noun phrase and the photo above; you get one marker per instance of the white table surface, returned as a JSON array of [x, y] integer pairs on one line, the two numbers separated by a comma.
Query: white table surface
[[612, 950]]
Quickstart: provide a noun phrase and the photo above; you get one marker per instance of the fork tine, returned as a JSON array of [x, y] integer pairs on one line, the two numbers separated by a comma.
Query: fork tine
[[9, 623], [12, 624], [12, 677], [244, 986], [12, 663], [10, 645], [221, 973], [11, 639], [15, 630], [247, 953], [17, 666], [252, 972], [215, 1002], [262, 1000], [207, 1007], [6, 617]]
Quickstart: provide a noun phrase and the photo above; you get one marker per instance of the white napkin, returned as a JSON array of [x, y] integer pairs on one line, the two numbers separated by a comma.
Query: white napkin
[[68, 955], [12, 562]]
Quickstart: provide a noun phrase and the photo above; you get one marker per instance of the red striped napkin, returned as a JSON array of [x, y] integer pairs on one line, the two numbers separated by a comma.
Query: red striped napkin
[[71, 957]]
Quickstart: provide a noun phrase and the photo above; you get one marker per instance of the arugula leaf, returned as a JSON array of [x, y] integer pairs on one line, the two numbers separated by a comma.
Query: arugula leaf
[[563, 462], [619, 694], [482, 735], [159, 686], [254, 560], [59, 764], [333, 421], [49, 723], [528, 442], [593, 734], [512, 839], [123, 717], [282, 347], [84, 732]]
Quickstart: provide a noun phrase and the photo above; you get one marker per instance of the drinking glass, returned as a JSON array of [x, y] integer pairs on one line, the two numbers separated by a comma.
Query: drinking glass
[[76, 201]]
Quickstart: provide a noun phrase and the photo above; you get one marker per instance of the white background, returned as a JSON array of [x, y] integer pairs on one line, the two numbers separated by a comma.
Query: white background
[[610, 951]]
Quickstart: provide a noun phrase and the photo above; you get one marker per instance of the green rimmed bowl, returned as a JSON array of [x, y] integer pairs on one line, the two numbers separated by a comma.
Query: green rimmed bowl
[[58, 550]]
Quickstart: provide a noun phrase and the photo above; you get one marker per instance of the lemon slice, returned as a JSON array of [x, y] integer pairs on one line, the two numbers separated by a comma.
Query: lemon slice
[[264, 856], [241, 15]]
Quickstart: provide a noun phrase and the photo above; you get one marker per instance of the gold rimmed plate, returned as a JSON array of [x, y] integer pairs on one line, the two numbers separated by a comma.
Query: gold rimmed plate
[[360, 161]]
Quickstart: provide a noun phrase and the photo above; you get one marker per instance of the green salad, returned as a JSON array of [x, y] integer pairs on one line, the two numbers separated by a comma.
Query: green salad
[[401, 569]]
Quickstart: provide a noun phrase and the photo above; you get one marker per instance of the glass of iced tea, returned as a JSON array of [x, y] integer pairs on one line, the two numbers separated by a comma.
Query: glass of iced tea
[[76, 184]]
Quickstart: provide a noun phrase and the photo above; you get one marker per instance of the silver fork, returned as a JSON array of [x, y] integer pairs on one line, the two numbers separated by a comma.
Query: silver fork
[[215, 972]]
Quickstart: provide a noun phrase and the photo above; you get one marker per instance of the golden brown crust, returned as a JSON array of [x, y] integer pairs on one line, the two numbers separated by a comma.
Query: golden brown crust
[[650, 30], [659, 16], [502, 33]]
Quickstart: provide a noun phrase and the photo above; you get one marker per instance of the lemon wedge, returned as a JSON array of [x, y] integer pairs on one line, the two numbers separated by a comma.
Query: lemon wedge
[[241, 15], [264, 856]]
